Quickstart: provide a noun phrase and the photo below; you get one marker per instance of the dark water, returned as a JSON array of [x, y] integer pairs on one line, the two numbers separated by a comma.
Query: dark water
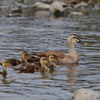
[[38, 31]]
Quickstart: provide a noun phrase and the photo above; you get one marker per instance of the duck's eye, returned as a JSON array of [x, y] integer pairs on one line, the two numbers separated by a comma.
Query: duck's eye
[[75, 37]]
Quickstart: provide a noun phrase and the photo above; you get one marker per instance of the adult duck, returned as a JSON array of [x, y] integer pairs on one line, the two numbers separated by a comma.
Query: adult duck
[[72, 56]]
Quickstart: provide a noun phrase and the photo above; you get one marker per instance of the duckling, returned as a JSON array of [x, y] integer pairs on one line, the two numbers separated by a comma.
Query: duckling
[[31, 68], [5, 64], [54, 61], [25, 59], [72, 57]]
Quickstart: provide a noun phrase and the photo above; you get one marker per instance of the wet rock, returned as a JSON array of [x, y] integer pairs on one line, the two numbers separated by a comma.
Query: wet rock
[[16, 9], [85, 94], [81, 5], [40, 5], [97, 6], [74, 13], [57, 8], [20, 0]]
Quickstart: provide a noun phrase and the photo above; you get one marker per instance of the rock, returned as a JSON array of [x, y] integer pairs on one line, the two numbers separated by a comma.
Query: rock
[[74, 13], [40, 5], [57, 8], [81, 4], [85, 94]]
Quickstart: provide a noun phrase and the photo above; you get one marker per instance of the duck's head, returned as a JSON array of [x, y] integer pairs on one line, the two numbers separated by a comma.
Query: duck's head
[[73, 38], [43, 60], [5, 64], [25, 56]]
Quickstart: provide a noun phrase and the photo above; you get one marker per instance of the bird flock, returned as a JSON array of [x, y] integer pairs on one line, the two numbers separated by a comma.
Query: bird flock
[[43, 61]]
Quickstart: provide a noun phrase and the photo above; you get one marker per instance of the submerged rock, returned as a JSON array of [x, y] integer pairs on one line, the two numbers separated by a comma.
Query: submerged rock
[[74, 13], [85, 94]]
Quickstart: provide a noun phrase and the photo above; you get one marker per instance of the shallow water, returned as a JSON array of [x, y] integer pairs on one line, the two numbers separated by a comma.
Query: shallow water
[[38, 31]]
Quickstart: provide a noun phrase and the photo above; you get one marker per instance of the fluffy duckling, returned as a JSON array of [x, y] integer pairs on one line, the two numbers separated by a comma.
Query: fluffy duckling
[[25, 59], [31, 68], [57, 8], [40, 5], [72, 57], [5, 64], [54, 61]]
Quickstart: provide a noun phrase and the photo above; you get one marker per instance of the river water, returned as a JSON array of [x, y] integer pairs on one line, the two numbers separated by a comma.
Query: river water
[[38, 31]]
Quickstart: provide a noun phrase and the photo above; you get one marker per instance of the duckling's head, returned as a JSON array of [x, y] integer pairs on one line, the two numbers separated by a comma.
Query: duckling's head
[[43, 60], [73, 38], [53, 58], [5, 64], [25, 56]]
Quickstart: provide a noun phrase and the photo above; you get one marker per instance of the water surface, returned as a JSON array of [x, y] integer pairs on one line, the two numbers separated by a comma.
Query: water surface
[[37, 32]]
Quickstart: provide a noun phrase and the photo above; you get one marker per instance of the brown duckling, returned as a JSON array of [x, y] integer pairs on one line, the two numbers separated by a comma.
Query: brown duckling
[[33, 67], [25, 59], [72, 56], [5, 64], [54, 61]]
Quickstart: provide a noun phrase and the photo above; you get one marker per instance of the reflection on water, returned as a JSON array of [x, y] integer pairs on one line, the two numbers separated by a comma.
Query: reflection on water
[[37, 32]]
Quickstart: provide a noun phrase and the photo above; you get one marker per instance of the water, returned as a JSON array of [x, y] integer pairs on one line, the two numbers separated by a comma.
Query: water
[[37, 32]]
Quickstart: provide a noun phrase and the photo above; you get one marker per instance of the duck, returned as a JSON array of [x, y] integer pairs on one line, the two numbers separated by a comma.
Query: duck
[[57, 8], [72, 56], [34, 67], [41, 5], [5, 64], [25, 59]]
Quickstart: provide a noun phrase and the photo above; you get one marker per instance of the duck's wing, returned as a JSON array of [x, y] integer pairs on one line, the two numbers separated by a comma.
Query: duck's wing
[[59, 54], [39, 55]]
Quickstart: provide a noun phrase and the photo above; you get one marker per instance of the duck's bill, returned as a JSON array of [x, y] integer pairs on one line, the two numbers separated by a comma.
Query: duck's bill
[[83, 43]]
